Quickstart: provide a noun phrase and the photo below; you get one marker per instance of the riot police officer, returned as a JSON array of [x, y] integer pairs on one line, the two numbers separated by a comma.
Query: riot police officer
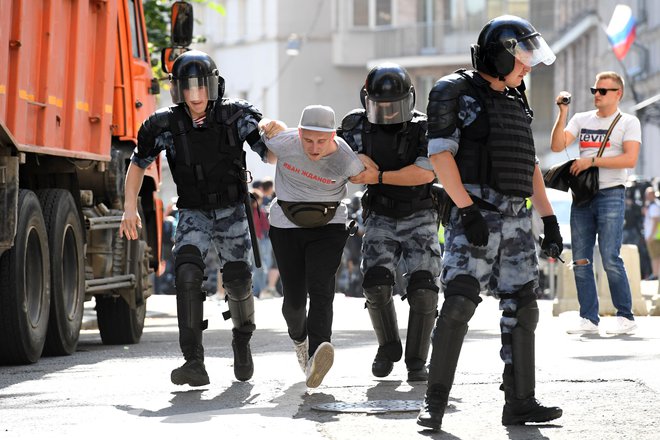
[[482, 150], [202, 135], [401, 221]]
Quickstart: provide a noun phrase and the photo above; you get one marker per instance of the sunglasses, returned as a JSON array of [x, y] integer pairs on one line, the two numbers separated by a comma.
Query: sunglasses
[[602, 90]]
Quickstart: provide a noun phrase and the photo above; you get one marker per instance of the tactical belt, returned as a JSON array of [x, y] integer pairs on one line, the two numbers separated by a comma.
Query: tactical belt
[[230, 195], [309, 214], [380, 202]]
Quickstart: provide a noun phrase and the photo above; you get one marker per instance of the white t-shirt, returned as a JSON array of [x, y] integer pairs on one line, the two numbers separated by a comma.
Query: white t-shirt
[[590, 130], [300, 179]]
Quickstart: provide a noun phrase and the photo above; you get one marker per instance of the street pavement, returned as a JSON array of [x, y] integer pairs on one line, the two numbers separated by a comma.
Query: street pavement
[[608, 386]]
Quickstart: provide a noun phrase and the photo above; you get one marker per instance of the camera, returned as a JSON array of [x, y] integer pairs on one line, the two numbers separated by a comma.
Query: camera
[[565, 99]]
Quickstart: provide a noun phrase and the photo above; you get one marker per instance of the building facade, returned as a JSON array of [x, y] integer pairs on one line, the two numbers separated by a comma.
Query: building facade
[[282, 55]]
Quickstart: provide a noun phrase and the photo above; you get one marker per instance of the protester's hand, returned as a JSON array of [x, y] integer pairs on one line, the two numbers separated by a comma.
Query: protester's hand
[[552, 243], [476, 228], [272, 128], [130, 223]]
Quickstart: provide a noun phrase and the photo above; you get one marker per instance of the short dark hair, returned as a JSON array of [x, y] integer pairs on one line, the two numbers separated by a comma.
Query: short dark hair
[[267, 184]]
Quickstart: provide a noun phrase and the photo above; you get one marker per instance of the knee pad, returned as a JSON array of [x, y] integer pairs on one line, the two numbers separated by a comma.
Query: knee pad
[[378, 296], [236, 270], [237, 280], [525, 295], [423, 301], [466, 286], [527, 311], [189, 278], [422, 279], [528, 316], [189, 254], [189, 270], [378, 276], [458, 310]]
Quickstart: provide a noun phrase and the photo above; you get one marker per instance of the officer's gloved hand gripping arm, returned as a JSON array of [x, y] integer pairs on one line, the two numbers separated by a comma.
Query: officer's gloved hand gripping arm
[[476, 228], [552, 243]]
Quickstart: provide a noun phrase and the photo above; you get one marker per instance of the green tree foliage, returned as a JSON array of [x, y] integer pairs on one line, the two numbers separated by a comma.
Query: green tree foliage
[[157, 19]]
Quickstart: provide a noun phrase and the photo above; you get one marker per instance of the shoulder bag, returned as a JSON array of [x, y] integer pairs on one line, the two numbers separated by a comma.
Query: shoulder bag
[[584, 186]]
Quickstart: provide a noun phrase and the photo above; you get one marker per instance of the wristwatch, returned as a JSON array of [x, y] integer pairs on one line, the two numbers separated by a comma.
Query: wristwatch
[[380, 177]]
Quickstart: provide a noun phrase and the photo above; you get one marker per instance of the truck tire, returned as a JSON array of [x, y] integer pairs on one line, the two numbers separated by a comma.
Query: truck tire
[[25, 286], [118, 322], [67, 271]]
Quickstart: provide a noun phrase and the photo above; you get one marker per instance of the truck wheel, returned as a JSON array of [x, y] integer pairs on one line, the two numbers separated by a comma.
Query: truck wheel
[[67, 271], [24, 286], [118, 322]]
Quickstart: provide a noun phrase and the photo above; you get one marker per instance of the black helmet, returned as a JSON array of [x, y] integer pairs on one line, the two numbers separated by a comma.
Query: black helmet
[[389, 96], [193, 70], [505, 38]]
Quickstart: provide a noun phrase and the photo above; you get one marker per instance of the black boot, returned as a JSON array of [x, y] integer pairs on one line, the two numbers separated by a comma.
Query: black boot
[[518, 379], [192, 373], [383, 319], [433, 409], [417, 372], [385, 357], [448, 338], [421, 318], [238, 287], [243, 365], [190, 310], [521, 411]]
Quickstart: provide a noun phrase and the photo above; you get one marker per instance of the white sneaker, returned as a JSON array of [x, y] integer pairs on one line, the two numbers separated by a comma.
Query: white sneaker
[[302, 352], [583, 327], [624, 326], [319, 364]]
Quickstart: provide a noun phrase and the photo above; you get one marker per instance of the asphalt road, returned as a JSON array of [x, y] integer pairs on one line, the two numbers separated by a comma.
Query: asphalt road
[[609, 387]]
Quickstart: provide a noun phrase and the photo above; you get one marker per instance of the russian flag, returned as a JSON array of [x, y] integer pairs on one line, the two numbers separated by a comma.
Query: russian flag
[[621, 31]]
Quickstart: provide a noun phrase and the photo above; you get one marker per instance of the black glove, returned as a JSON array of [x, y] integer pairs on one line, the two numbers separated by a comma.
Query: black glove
[[552, 242], [476, 228]]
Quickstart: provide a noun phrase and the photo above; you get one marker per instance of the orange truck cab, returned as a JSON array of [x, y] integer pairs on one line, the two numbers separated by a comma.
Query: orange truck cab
[[75, 85]]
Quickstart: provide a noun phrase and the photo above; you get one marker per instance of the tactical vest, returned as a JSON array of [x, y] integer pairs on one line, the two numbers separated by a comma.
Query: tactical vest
[[498, 150], [393, 150], [208, 161]]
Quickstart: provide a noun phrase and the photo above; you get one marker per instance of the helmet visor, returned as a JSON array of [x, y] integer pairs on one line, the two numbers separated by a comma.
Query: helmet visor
[[532, 51], [194, 89], [383, 112]]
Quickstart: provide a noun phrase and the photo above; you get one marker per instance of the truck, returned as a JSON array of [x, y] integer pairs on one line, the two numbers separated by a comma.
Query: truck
[[75, 85]]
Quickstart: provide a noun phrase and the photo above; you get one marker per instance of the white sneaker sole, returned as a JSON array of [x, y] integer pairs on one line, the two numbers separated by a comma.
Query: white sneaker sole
[[629, 331], [321, 364], [582, 332]]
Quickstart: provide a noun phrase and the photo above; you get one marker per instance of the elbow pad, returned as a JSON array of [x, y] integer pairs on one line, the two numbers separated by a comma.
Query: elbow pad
[[442, 108], [150, 129]]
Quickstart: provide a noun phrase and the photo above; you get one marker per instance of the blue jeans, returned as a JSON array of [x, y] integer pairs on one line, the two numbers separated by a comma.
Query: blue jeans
[[603, 217]]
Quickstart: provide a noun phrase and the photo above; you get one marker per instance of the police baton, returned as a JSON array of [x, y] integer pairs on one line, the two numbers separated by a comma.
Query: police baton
[[246, 177]]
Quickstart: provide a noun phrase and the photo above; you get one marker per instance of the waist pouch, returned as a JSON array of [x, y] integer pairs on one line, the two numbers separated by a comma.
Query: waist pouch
[[309, 214]]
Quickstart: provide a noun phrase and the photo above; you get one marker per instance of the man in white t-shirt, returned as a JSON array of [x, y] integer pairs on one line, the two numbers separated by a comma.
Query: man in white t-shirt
[[308, 229], [603, 216]]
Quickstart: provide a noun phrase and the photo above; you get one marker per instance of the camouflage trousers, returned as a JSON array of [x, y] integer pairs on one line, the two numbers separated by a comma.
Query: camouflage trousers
[[509, 260], [225, 228], [413, 239]]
